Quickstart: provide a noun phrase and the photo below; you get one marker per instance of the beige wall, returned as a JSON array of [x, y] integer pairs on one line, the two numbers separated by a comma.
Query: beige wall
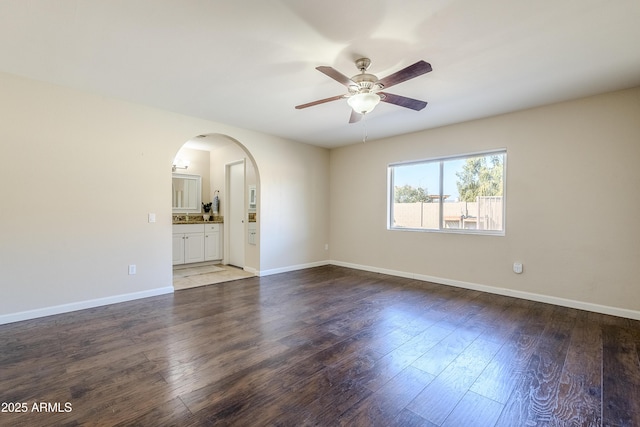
[[80, 174], [300, 194], [573, 156]]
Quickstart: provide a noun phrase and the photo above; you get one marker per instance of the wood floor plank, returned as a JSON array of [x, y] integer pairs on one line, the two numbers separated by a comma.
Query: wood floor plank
[[384, 407], [411, 419], [474, 410], [441, 396], [509, 365], [249, 387], [580, 388], [535, 398], [437, 358], [320, 398], [171, 413], [621, 378], [324, 346]]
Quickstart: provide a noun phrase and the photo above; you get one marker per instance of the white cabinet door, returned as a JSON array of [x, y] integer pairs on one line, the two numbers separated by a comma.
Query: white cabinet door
[[196, 243], [193, 247], [178, 249], [212, 246]]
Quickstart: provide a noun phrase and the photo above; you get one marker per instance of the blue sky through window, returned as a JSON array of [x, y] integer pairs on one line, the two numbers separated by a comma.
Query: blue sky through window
[[428, 175]]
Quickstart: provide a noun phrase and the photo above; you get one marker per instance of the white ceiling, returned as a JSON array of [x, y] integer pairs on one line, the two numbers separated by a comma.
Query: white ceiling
[[248, 63]]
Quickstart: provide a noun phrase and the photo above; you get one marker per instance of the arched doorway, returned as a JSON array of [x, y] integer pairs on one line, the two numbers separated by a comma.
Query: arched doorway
[[208, 157]]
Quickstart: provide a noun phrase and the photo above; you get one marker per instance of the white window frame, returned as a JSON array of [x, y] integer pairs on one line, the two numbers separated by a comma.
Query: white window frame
[[441, 160]]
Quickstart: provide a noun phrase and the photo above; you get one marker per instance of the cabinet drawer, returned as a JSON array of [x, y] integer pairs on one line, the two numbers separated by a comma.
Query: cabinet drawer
[[211, 227], [188, 228]]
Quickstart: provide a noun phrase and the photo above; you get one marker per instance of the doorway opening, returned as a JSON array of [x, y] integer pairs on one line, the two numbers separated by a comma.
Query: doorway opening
[[229, 178]]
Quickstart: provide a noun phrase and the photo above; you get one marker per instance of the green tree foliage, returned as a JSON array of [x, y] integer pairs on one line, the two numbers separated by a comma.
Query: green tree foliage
[[409, 194], [480, 176]]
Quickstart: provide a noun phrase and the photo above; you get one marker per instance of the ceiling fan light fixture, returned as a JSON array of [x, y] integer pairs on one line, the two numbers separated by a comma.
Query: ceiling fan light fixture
[[363, 103]]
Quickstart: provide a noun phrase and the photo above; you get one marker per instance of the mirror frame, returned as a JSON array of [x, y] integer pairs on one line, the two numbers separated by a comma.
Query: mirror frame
[[198, 202], [252, 198]]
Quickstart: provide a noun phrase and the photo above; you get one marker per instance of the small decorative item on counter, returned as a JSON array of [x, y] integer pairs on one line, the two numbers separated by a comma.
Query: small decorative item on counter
[[216, 202], [206, 207]]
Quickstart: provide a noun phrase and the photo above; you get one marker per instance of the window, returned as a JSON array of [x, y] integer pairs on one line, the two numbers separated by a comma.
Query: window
[[463, 194]]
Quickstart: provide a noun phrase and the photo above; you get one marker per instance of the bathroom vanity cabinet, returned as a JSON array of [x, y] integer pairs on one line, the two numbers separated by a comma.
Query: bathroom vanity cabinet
[[196, 243]]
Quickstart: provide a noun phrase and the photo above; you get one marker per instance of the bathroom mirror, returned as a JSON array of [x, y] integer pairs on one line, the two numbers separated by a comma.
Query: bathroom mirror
[[252, 198], [186, 193]]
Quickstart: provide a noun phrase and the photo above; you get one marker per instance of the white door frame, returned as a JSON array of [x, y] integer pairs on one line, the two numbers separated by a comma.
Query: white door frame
[[227, 214]]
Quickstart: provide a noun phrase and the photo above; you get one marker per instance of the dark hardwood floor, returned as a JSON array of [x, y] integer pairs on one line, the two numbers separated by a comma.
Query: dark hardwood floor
[[325, 346]]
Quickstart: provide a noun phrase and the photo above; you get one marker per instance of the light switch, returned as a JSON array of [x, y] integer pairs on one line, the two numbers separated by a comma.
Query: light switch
[[152, 217]]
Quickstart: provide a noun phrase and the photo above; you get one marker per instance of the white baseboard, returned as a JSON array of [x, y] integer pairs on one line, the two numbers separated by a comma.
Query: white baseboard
[[581, 305], [81, 305], [291, 268], [251, 270]]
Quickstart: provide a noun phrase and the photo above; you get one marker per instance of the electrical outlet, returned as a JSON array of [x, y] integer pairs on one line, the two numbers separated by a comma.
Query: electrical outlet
[[326, 246], [152, 217], [517, 267], [132, 269]]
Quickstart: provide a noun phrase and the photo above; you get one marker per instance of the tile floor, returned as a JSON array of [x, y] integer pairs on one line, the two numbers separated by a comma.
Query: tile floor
[[185, 277]]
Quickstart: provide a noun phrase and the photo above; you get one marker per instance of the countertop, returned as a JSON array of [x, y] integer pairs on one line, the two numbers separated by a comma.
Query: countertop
[[198, 221]]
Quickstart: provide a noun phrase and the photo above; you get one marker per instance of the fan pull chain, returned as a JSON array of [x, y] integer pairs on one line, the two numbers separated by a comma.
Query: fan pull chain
[[364, 129]]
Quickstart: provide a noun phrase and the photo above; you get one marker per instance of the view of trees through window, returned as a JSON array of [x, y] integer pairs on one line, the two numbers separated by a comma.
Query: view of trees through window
[[463, 193]]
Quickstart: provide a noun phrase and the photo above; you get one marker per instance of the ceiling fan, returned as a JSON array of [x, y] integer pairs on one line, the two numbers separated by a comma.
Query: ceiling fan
[[366, 90]]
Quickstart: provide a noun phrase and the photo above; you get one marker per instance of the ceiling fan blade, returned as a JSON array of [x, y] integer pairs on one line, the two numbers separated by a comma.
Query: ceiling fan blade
[[320, 101], [335, 75], [415, 70], [403, 101], [355, 117]]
